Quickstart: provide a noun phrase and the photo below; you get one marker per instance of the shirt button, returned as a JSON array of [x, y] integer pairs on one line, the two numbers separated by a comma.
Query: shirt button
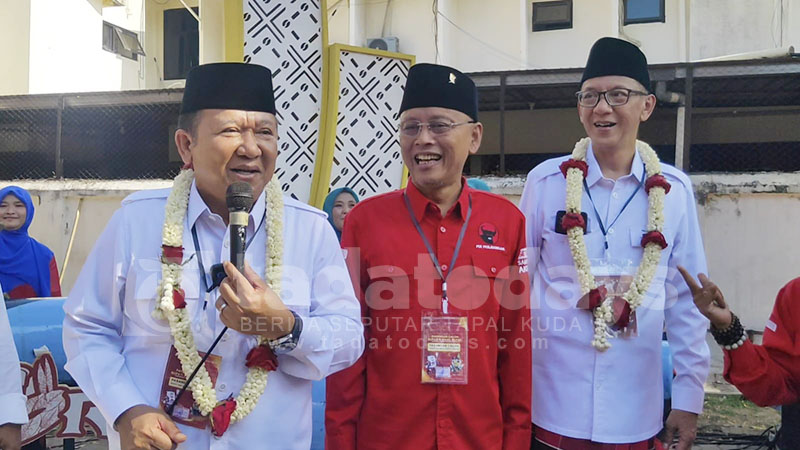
[[615, 194], [442, 229], [444, 266], [222, 387], [226, 244], [494, 269], [610, 231]]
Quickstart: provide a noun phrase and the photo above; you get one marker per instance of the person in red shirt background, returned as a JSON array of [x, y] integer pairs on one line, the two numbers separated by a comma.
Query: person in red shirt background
[[447, 364], [767, 374], [27, 267]]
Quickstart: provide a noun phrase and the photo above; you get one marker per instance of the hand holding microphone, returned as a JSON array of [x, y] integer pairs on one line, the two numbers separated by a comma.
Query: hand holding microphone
[[246, 303]]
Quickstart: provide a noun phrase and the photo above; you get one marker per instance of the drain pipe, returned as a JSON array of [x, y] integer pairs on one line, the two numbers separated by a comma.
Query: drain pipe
[[665, 96]]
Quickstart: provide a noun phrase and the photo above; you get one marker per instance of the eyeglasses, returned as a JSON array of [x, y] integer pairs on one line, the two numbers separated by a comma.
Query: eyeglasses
[[614, 97], [412, 129]]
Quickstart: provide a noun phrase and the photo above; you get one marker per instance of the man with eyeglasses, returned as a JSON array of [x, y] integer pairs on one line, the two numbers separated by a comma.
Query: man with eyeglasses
[[440, 270], [607, 227]]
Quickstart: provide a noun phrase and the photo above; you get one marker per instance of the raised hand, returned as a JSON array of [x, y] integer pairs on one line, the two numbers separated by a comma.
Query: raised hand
[[709, 299]]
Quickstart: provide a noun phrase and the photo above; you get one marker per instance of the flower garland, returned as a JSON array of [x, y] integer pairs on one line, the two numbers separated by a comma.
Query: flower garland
[[171, 305], [575, 170]]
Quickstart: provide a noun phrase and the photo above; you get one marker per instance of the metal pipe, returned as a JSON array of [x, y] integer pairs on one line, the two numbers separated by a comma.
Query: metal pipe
[[59, 159], [687, 120], [502, 125]]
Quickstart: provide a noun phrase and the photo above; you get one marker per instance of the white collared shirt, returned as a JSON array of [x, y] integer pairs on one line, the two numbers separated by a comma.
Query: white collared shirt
[[614, 396], [117, 352], [14, 409]]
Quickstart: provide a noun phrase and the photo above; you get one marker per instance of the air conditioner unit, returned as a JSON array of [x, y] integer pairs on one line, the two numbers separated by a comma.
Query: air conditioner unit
[[388, 43]]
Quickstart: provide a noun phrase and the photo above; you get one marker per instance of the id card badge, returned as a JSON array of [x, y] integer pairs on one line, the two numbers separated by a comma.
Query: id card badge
[[444, 349], [617, 276], [185, 412]]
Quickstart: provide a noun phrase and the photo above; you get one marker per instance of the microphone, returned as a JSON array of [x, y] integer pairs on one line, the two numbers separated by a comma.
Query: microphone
[[239, 199]]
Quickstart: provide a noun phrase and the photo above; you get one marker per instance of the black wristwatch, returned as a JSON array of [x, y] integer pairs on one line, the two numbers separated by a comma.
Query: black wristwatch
[[285, 344]]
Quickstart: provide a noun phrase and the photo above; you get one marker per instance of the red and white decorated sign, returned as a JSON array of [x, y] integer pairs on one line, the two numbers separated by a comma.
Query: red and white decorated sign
[[53, 406]]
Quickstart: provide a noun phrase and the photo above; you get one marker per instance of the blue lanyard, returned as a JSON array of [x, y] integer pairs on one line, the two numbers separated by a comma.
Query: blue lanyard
[[430, 249], [597, 214]]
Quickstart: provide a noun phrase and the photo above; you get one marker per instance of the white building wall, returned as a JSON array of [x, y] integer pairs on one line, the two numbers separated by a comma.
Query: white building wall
[[662, 42], [66, 47], [724, 27], [591, 20], [15, 38], [484, 39]]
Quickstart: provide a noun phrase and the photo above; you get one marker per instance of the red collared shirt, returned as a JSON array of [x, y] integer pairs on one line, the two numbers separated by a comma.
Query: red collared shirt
[[380, 402], [769, 374]]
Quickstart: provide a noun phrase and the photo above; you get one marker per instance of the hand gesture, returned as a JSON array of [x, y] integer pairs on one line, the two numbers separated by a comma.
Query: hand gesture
[[249, 306], [146, 427], [708, 299]]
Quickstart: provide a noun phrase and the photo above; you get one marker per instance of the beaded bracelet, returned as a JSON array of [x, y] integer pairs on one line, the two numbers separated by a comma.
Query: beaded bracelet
[[732, 337]]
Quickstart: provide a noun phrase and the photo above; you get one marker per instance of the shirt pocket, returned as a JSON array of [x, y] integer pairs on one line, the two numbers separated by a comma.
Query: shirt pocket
[[479, 286], [141, 295], [388, 288]]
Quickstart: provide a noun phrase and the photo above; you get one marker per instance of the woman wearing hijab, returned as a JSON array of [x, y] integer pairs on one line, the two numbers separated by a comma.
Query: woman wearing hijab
[[337, 204], [27, 268]]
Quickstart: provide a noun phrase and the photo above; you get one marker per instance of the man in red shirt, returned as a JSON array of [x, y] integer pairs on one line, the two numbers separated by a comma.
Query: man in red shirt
[[447, 363], [767, 374]]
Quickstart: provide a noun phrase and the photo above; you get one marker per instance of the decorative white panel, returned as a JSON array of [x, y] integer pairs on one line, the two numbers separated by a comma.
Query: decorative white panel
[[366, 155], [286, 36]]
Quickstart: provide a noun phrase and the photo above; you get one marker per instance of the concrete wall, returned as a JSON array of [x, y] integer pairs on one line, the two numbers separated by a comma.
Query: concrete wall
[[15, 39], [735, 26], [749, 265]]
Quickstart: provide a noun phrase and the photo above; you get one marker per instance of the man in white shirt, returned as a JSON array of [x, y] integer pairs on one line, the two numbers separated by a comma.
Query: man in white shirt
[[13, 412], [607, 227], [292, 313]]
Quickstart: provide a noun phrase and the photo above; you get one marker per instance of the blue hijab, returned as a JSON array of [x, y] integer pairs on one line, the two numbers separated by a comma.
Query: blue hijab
[[328, 206], [23, 260]]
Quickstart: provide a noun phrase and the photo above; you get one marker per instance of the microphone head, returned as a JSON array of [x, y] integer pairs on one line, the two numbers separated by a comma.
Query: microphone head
[[239, 197]]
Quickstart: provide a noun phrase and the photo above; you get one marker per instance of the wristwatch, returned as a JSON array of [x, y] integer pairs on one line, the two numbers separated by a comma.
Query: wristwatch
[[285, 344]]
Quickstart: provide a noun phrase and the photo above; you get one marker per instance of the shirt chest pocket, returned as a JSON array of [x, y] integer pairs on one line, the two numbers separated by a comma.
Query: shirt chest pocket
[[480, 284], [388, 288]]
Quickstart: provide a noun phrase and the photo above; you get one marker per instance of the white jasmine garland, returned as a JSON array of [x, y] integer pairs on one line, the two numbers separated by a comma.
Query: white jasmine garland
[[205, 395], [603, 314]]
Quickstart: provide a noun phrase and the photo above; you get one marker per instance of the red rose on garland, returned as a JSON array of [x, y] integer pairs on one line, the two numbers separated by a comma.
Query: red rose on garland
[[221, 416]]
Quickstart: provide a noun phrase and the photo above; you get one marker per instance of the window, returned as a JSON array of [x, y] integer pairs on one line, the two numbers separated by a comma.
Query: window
[[644, 11], [555, 15], [121, 41], [181, 43]]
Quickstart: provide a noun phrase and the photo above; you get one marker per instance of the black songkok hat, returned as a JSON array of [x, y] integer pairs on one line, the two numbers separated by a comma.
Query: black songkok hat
[[432, 85], [246, 87], [612, 56]]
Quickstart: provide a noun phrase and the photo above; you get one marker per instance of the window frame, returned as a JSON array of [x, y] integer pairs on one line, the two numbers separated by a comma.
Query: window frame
[[168, 75], [551, 25], [662, 18], [113, 41]]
